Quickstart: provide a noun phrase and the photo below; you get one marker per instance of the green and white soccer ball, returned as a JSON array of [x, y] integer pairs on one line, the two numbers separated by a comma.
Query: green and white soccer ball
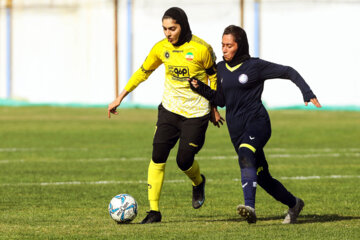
[[123, 208]]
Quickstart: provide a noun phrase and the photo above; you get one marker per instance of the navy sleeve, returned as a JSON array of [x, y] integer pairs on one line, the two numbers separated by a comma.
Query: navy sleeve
[[216, 98], [268, 70]]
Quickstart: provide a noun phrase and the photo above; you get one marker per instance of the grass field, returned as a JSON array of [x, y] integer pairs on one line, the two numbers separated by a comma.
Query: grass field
[[59, 168]]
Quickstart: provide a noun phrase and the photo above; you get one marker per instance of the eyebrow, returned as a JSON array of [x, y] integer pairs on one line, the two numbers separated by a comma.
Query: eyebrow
[[169, 27]]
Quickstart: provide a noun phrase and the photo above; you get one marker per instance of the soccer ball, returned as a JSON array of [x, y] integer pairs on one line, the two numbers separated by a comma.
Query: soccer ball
[[123, 208]]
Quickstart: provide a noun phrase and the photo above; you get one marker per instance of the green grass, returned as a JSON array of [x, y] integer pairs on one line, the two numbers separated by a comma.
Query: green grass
[[59, 168]]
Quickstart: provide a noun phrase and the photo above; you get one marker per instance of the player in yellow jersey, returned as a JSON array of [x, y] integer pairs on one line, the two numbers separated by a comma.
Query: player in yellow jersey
[[182, 114]]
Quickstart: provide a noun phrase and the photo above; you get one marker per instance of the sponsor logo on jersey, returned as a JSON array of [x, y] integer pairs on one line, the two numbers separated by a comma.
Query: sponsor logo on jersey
[[243, 78], [177, 51], [167, 55], [179, 72], [189, 56]]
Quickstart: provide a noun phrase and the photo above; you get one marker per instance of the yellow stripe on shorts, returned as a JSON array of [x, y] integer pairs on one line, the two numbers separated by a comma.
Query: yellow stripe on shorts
[[248, 146]]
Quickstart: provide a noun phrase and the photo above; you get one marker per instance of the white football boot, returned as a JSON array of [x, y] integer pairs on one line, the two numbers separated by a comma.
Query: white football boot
[[294, 212]]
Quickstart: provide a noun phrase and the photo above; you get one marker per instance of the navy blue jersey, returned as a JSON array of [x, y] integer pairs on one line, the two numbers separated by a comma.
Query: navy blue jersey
[[240, 91]]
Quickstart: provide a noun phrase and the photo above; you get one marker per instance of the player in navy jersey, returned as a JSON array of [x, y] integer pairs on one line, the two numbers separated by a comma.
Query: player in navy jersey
[[240, 83]]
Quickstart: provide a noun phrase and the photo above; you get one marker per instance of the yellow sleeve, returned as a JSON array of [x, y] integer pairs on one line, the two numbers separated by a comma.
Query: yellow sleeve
[[213, 81], [209, 59], [151, 62]]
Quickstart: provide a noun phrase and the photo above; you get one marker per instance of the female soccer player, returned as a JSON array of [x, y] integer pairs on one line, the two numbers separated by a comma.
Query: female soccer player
[[240, 83], [182, 114]]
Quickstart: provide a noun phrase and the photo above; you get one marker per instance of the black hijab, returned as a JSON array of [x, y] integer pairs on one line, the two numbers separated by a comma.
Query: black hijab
[[180, 17], [242, 54]]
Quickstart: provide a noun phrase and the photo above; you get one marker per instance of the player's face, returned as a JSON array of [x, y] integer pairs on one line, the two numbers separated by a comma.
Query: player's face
[[229, 47], [171, 29]]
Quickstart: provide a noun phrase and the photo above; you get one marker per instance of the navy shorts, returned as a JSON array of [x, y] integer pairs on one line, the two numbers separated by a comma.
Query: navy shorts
[[256, 134]]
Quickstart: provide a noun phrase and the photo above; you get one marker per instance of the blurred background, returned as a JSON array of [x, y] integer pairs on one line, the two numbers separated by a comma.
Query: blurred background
[[84, 51]]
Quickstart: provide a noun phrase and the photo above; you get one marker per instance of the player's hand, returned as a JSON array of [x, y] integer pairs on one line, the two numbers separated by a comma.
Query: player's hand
[[315, 102], [112, 108], [193, 82], [216, 118]]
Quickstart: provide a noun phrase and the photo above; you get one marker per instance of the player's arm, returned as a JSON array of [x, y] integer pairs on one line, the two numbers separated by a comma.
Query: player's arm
[[209, 60], [150, 64], [268, 70], [215, 97], [215, 116]]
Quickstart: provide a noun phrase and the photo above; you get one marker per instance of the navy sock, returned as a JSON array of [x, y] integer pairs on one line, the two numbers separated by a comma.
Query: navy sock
[[248, 175], [248, 180]]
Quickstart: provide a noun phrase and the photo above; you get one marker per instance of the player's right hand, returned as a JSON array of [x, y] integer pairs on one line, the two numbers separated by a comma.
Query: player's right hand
[[112, 108]]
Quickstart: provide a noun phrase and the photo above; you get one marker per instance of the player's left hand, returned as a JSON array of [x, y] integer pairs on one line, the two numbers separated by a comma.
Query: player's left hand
[[315, 102], [193, 82]]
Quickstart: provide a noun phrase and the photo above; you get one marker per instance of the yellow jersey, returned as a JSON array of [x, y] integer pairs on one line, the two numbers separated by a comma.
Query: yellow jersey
[[192, 59]]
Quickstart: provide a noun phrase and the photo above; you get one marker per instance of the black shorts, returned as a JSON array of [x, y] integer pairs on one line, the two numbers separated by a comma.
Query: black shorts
[[170, 127]]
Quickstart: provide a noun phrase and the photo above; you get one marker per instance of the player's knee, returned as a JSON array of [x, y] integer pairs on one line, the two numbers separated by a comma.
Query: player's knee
[[160, 152], [246, 157], [185, 159]]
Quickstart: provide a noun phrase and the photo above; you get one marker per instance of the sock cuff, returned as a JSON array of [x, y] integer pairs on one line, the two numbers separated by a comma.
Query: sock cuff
[[158, 166], [195, 165]]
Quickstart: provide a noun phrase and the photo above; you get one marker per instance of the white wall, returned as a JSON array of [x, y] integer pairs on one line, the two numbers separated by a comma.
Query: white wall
[[321, 40], [66, 54], [2, 51], [62, 54]]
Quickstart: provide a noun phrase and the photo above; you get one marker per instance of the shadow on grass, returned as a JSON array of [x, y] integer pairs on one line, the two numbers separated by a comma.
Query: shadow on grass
[[313, 218], [303, 219]]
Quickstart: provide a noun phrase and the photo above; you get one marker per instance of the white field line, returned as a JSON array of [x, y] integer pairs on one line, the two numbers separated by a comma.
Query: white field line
[[11, 161], [306, 150], [332, 155], [57, 149], [311, 177], [85, 183], [141, 159], [166, 181], [230, 149]]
